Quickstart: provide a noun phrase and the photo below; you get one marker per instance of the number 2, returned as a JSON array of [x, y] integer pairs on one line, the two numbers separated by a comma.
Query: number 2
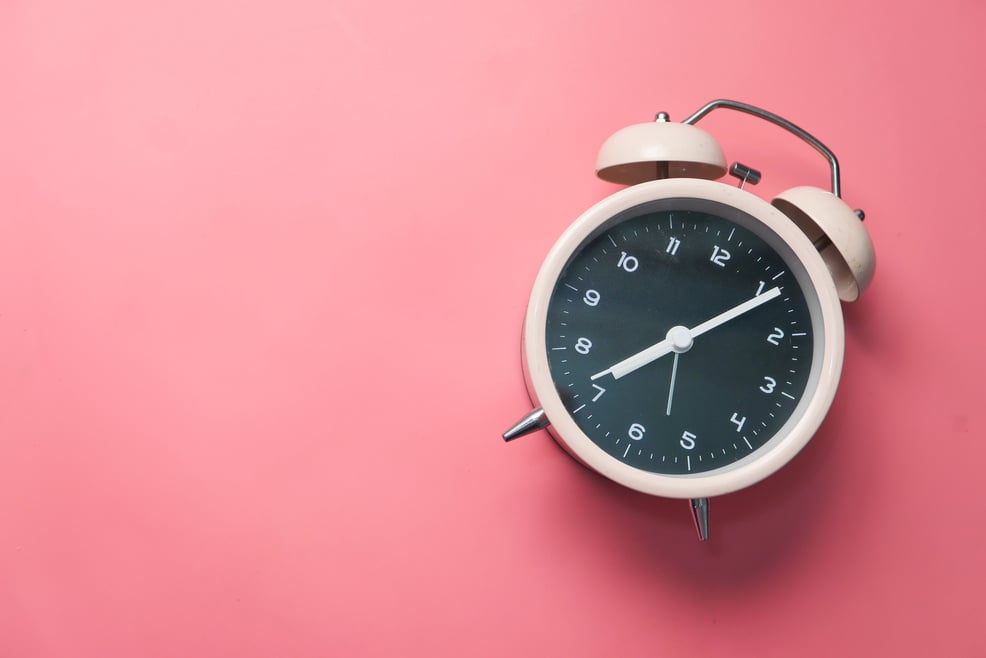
[[775, 337]]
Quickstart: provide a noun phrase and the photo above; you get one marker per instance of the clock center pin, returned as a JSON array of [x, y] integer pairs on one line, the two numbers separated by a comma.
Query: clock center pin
[[680, 339]]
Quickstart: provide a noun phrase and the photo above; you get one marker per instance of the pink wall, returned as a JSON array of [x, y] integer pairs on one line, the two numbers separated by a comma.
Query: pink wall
[[262, 272]]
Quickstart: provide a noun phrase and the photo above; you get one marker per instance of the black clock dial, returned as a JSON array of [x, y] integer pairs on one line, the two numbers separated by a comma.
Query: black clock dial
[[680, 341]]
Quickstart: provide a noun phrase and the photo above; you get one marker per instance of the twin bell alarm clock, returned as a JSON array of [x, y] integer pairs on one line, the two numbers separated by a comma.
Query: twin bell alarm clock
[[684, 337]]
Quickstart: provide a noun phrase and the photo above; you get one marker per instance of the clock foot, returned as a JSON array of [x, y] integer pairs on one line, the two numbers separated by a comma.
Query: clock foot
[[700, 512], [532, 422]]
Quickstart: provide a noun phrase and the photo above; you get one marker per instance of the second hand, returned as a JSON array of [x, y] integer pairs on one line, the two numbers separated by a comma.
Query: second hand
[[674, 373]]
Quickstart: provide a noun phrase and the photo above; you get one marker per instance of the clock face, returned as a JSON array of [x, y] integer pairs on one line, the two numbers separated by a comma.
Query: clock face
[[679, 336]]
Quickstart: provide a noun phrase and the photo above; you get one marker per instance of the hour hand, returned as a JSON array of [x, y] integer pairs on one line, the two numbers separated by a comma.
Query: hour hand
[[679, 339]]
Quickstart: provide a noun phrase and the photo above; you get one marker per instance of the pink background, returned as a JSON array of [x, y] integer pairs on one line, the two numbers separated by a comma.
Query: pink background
[[262, 272]]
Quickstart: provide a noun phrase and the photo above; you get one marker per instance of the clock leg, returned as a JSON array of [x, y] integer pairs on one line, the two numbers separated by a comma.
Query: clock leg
[[700, 512], [530, 423]]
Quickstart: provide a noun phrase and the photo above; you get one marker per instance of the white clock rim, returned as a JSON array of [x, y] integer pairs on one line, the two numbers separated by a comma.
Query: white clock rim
[[779, 450]]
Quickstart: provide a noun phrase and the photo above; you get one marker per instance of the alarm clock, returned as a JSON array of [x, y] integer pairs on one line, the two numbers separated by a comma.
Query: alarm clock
[[684, 337]]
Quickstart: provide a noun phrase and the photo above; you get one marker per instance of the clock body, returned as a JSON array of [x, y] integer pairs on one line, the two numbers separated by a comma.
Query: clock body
[[684, 338]]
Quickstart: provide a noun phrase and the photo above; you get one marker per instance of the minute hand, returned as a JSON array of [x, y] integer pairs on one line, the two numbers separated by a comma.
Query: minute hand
[[735, 312], [657, 350]]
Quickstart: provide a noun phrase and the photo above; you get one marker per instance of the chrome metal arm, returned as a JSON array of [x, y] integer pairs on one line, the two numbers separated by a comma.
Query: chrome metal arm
[[777, 121]]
